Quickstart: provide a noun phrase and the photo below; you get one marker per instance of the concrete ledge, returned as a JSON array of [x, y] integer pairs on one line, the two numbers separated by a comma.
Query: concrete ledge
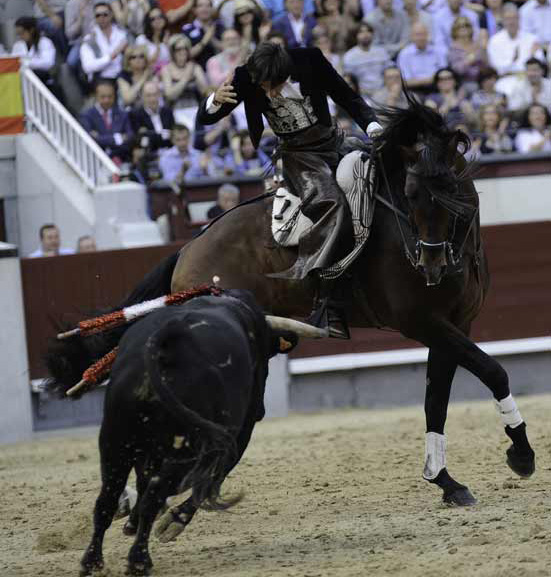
[[419, 355]]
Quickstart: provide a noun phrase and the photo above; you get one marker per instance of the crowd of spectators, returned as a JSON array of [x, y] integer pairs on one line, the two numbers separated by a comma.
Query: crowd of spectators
[[144, 66]]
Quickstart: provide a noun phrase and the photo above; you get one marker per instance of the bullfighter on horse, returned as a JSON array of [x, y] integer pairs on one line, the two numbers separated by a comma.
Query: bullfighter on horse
[[290, 88]]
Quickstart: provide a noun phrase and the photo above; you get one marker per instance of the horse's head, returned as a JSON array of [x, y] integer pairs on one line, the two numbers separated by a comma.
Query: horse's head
[[431, 190]]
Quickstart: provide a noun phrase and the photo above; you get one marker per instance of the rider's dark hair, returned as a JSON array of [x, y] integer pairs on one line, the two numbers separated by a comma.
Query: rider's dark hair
[[269, 63]]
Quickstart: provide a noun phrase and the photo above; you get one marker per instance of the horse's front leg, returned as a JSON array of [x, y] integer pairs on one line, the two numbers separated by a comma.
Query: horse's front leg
[[440, 372], [441, 334]]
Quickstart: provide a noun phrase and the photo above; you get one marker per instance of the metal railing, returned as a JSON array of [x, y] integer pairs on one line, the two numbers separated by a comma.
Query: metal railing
[[44, 111]]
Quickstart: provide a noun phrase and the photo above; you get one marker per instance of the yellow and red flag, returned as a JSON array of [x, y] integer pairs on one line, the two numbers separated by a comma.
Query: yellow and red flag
[[11, 100]]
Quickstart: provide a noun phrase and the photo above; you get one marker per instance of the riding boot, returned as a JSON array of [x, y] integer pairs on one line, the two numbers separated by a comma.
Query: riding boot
[[328, 312]]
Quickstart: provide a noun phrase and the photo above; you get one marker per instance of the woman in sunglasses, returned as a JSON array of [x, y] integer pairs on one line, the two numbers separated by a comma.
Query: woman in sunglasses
[[136, 72], [155, 38]]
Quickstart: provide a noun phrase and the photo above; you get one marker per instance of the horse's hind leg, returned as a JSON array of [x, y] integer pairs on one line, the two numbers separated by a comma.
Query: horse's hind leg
[[450, 340], [440, 372]]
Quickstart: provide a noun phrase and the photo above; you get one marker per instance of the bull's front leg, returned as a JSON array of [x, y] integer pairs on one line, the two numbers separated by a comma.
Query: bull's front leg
[[175, 520]]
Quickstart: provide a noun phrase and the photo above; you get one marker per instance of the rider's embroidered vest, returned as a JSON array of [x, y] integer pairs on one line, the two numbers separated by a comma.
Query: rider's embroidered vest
[[289, 115]]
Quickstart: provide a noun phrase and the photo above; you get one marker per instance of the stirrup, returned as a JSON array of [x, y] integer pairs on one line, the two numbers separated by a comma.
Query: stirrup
[[327, 315]]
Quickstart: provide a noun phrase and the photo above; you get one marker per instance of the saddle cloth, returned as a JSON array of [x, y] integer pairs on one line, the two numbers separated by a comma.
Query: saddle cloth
[[354, 177]]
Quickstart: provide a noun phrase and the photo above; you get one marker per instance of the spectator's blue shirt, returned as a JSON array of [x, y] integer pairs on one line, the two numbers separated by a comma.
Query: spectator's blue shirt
[[171, 162], [277, 7]]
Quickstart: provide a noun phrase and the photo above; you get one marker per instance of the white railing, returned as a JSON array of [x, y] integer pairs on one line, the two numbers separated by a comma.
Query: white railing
[[44, 111]]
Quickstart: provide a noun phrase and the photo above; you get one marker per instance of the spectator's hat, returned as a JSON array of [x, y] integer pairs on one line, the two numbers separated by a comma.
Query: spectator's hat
[[242, 6]]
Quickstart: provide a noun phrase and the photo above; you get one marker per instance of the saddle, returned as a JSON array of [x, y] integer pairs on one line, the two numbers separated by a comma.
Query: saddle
[[355, 178]]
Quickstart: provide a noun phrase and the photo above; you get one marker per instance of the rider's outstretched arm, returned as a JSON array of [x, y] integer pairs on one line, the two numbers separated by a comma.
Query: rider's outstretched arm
[[221, 102]]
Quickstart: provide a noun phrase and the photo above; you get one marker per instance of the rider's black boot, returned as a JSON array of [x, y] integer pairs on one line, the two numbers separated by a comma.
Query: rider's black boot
[[328, 312]]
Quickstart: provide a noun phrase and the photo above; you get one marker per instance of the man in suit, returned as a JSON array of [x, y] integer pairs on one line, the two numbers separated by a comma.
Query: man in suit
[[106, 123], [290, 88], [153, 121], [295, 25]]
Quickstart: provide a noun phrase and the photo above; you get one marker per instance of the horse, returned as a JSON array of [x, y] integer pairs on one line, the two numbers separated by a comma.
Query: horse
[[423, 272]]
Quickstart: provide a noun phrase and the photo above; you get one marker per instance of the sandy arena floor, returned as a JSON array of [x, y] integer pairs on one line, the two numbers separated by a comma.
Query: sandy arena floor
[[335, 494]]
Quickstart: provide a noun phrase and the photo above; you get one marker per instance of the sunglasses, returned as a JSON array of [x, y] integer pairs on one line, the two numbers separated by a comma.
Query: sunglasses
[[102, 14], [446, 77], [136, 56], [180, 48], [156, 17]]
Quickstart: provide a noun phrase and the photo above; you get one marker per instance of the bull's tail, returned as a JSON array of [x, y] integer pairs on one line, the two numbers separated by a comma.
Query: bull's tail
[[213, 445], [66, 360]]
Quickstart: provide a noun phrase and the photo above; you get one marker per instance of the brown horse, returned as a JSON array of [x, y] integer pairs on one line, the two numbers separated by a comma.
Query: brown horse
[[423, 271]]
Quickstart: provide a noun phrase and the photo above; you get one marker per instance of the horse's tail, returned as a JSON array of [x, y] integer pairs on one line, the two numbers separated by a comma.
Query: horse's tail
[[66, 360], [213, 446]]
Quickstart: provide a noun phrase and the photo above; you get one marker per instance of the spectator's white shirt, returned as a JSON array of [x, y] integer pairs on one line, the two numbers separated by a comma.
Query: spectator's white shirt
[[163, 57], [297, 26], [520, 95], [101, 62], [39, 252], [528, 137], [502, 48], [536, 18], [41, 59]]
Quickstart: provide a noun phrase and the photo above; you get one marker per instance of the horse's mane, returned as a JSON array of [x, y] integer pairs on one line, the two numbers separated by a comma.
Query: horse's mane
[[421, 128]]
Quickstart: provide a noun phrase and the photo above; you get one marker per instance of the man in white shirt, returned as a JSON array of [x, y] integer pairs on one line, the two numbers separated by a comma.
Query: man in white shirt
[[535, 17], [531, 88], [50, 242], [101, 51], [444, 19], [509, 49]]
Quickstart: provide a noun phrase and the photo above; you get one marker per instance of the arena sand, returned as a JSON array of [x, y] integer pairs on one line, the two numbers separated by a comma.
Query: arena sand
[[334, 494]]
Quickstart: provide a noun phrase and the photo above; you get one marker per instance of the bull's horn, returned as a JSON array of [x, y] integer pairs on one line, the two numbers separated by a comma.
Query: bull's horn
[[301, 329]]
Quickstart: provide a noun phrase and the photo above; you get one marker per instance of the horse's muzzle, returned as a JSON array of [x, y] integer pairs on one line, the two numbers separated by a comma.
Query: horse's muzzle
[[432, 261]]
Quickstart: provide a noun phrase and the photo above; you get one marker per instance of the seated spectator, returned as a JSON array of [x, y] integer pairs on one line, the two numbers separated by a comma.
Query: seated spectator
[[390, 27], [493, 131], [415, 14], [509, 49], [101, 50], [228, 198], [339, 25], [37, 51], [466, 55], [106, 123], [491, 20], [322, 41], [130, 14], [449, 100], [180, 162], [50, 243], [444, 19], [216, 136], [276, 8], [248, 23], [295, 25], [49, 15], [245, 159], [154, 38], [79, 21], [487, 93], [419, 60], [86, 243], [177, 12], [365, 61], [221, 65], [143, 169], [184, 82], [530, 88], [535, 18], [153, 120], [136, 72], [535, 136], [391, 94], [204, 33]]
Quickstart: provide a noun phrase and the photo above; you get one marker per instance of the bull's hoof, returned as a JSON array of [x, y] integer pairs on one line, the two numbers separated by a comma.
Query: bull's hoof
[[523, 464], [459, 497], [129, 529], [90, 567], [139, 569], [169, 526]]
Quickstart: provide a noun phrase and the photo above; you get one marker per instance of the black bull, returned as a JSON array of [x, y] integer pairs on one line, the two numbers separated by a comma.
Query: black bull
[[185, 392]]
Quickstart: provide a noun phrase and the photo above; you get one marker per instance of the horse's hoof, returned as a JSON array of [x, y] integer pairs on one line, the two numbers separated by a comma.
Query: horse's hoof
[[129, 529], [523, 465], [460, 497], [139, 569], [90, 567]]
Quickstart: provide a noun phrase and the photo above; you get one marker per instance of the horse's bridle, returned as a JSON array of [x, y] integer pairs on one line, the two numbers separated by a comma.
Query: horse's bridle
[[447, 245]]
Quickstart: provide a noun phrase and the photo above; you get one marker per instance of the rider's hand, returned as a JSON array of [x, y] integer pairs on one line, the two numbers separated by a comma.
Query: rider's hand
[[225, 93], [373, 129]]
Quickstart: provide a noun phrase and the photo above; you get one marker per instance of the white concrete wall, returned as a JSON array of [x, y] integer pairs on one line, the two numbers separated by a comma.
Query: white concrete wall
[[15, 392]]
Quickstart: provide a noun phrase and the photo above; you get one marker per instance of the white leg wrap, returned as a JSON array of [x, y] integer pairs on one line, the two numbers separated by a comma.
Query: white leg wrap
[[510, 415], [435, 455]]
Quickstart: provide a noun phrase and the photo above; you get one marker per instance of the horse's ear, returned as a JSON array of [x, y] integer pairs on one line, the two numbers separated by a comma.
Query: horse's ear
[[409, 154], [452, 148]]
